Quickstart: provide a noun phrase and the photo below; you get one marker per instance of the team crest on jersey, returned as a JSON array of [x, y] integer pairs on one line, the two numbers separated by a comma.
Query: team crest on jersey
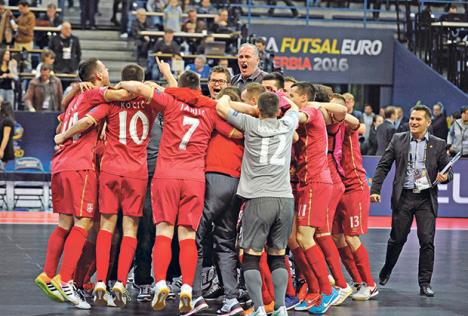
[[90, 208]]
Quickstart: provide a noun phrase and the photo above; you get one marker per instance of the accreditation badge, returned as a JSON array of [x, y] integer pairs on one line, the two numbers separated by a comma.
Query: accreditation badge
[[421, 180]]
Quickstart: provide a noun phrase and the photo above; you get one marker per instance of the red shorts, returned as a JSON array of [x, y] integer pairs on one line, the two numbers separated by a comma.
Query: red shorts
[[337, 193], [312, 204], [121, 192], [176, 200], [352, 213], [75, 192]]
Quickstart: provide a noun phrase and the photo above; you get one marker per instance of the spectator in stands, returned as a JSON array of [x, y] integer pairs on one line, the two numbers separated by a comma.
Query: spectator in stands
[[47, 57], [401, 123], [386, 130], [66, 47], [192, 19], [167, 45], [225, 64], [207, 39], [350, 103], [371, 143], [52, 19], [138, 25], [248, 62], [452, 15], [6, 32], [458, 136], [88, 13], [367, 118], [289, 3], [24, 27], [172, 16], [200, 67], [156, 6], [44, 93], [218, 79], [288, 82], [206, 7], [439, 122], [8, 73], [7, 131], [221, 23], [266, 58]]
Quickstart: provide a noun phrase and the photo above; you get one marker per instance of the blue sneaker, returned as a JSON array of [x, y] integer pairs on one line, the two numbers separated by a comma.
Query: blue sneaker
[[327, 301], [290, 302]]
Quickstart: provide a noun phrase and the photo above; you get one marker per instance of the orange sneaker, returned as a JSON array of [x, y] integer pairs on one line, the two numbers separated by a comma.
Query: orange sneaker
[[270, 308], [248, 311]]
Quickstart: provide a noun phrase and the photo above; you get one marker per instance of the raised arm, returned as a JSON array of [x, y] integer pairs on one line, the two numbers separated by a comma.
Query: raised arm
[[80, 126], [223, 106], [76, 88], [165, 69], [117, 95], [137, 88], [352, 122]]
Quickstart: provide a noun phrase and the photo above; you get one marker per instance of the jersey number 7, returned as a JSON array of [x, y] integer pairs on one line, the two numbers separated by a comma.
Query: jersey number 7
[[193, 122]]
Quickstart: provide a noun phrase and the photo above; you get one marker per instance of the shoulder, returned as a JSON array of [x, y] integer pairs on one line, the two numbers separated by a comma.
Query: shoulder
[[437, 141], [401, 136]]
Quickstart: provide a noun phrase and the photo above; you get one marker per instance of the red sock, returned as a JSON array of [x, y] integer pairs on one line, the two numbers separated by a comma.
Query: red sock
[[317, 261], [72, 252], [103, 246], [127, 252], [188, 257], [268, 289], [162, 255], [88, 258], [54, 250], [362, 262], [348, 260], [332, 256], [301, 262], [290, 291]]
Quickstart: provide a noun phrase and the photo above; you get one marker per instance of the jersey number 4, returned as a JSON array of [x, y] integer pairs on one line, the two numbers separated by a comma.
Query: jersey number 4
[[193, 122], [132, 129], [275, 159]]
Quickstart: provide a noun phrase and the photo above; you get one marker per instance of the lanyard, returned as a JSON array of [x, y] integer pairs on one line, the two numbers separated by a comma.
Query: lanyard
[[413, 162]]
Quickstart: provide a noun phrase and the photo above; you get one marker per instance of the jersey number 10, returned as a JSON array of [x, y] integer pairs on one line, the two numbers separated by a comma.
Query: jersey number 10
[[132, 130]]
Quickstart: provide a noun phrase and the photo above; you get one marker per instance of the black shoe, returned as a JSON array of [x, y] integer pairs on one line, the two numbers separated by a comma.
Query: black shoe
[[426, 290], [114, 20], [383, 277]]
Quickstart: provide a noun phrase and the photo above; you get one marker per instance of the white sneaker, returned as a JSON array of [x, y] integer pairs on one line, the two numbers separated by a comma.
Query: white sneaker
[[99, 293], [280, 311], [69, 292], [110, 300], [185, 303], [343, 294], [124, 36], [121, 295], [331, 279], [161, 291], [365, 292], [259, 312]]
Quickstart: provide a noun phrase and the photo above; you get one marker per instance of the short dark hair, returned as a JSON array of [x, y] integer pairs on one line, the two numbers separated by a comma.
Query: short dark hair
[[277, 77], [168, 30], [322, 93], [87, 69], [46, 67], [339, 97], [463, 109], [254, 89], [220, 69], [192, 10], [133, 72], [260, 40], [389, 111], [23, 3], [51, 6], [419, 107], [268, 104], [305, 88], [189, 79], [2, 2], [290, 79], [47, 53], [232, 92]]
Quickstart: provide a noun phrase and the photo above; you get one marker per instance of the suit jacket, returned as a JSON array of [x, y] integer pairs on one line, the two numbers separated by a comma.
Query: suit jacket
[[398, 150], [384, 135]]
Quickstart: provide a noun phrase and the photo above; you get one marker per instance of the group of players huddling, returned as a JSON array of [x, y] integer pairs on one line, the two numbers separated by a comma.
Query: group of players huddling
[[204, 179]]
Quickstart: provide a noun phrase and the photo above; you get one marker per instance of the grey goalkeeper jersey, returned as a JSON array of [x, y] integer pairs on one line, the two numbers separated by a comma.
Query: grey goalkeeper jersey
[[267, 154]]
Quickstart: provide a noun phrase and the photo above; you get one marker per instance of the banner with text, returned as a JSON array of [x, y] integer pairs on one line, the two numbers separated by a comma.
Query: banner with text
[[331, 55], [453, 197]]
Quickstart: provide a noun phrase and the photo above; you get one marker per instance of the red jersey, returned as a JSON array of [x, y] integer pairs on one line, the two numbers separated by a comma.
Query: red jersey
[[78, 152], [336, 132], [311, 149], [355, 175], [186, 133], [224, 156], [128, 127]]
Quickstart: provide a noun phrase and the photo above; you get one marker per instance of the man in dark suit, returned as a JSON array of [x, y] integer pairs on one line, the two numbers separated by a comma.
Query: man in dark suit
[[386, 130], [419, 158]]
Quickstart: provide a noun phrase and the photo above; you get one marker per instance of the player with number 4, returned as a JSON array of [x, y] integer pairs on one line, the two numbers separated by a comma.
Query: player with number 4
[[178, 186]]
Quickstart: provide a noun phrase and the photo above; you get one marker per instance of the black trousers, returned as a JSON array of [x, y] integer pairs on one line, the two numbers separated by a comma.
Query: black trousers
[[88, 11], [219, 220], [413, 205]]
